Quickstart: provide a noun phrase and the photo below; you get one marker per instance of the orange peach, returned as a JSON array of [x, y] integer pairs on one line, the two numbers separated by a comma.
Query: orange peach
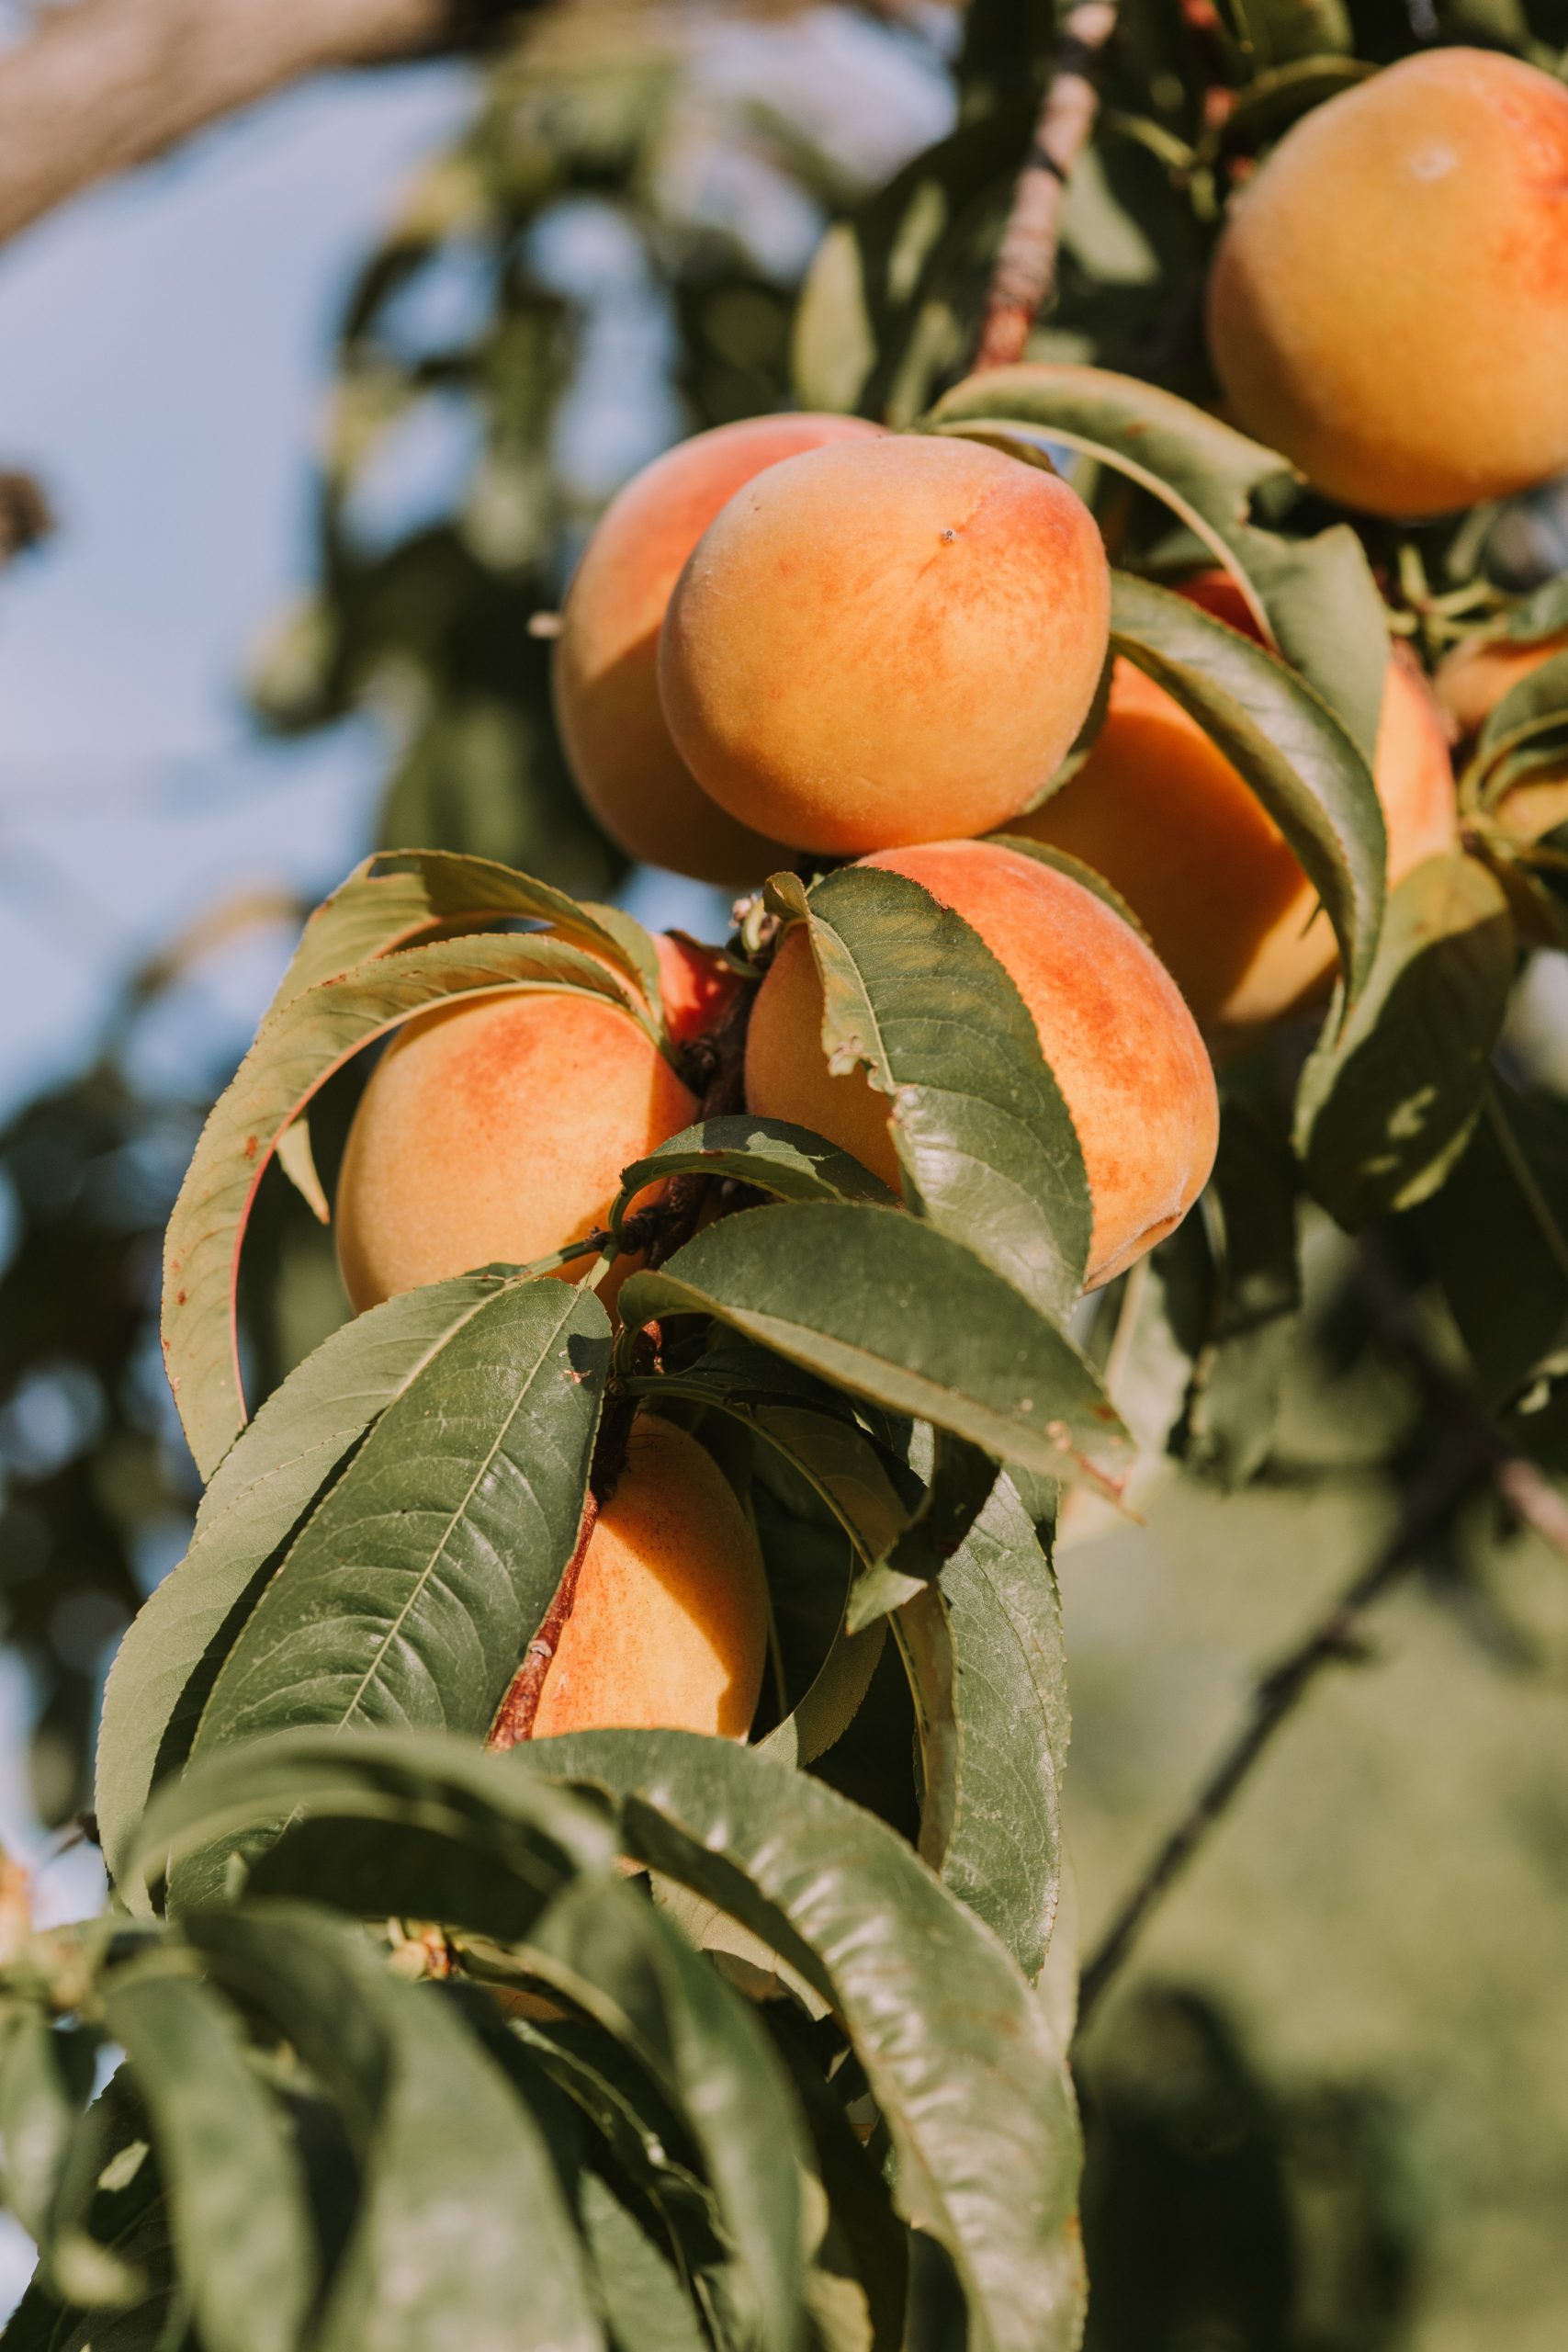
[[607, 691], [890, 641], [1112, 1024], [1161, 813], [496, 1132], [1389, 301], [668, 1627], [1472, 680]]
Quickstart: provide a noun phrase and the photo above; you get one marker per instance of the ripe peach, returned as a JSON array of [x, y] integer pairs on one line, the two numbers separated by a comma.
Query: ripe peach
[[668, 1627], [1112, 1027], [888, 643], [1163, 815], [496, 1132], [607, 691], [1389, 301], [1472, 680]]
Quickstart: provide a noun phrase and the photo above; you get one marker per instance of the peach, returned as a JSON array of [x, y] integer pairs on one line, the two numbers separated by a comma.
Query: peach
[[1472, 680], [668, 1627], [1111, 1024], [1389, 301], [888, 642], [607, 691], [1161, 813], [496, 1132]]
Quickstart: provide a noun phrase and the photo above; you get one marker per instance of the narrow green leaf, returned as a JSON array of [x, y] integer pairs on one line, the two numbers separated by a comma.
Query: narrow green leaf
[[901, 1314], [622, 1961], [790, 1162], [1315, 599], [1530, 722], [295, 1051], [406, 1823], [1287, 745], [411, 1595], [1385, 1107], [646, 2307], [954, 2046], [989, 1669], [462, 2235], [236, 2191], [989, 1153], [164, 1669], [46, 2073], [389, 899], [1254, 1312]]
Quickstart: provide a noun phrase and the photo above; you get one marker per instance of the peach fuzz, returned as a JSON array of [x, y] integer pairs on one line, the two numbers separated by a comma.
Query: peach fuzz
[[606, 692], [1388, 304], [496, 1132], [886, 642], [1160, 812], [1472, 680], [1111, 1024], [668, 1626]]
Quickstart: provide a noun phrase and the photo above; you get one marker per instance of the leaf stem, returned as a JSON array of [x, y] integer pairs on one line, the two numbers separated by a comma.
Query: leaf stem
[[514, 1718], [1025, 268]]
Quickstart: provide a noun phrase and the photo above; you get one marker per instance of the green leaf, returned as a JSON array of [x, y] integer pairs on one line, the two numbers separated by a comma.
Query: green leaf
[[1384, 1108], [1531, 719], [389, 899], [236, 2192], [408, 1823], [46, 2074], [164, 1669], [989, 1669], [899, 1313], [1253, 1313], [989, 1153], [646, 2307], [1286, 744], [955, 2049], [619, 1960], [1315, 599], [790, 1162], [295, 1053], [411, 1595], [463, 2234]]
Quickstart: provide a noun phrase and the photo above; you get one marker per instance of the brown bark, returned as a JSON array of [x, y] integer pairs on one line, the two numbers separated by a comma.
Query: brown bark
[[514, 1718], [104, 84]]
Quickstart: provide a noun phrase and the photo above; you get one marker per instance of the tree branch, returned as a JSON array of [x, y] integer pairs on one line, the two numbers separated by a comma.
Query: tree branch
[[104, 84], [1025, 267], [1275, 1698]]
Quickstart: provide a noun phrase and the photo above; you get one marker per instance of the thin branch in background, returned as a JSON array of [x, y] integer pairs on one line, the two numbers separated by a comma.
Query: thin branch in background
[[1275, 1698], [1478, 1451], [1025, 268], [25, 516]]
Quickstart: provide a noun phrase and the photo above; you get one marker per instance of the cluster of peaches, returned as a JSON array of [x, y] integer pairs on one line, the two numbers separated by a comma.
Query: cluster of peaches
[[803, 639]]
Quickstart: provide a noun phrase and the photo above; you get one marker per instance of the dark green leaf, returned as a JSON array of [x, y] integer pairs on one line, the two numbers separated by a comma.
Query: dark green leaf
[[411, 1595], [899, 1313], [1385, 1107], [1530, 722], [645, 2304], [164, 1669], [236, 2193], [464, 2236], [1286, 743], [954, 2045], [621, 1962], [989, 1153], [989, 1669], [790, 1162], [1253, 1315], [295, 1052]]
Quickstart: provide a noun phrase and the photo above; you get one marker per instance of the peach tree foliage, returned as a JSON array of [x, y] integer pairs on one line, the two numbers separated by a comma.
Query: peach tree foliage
[[409, 2057]]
